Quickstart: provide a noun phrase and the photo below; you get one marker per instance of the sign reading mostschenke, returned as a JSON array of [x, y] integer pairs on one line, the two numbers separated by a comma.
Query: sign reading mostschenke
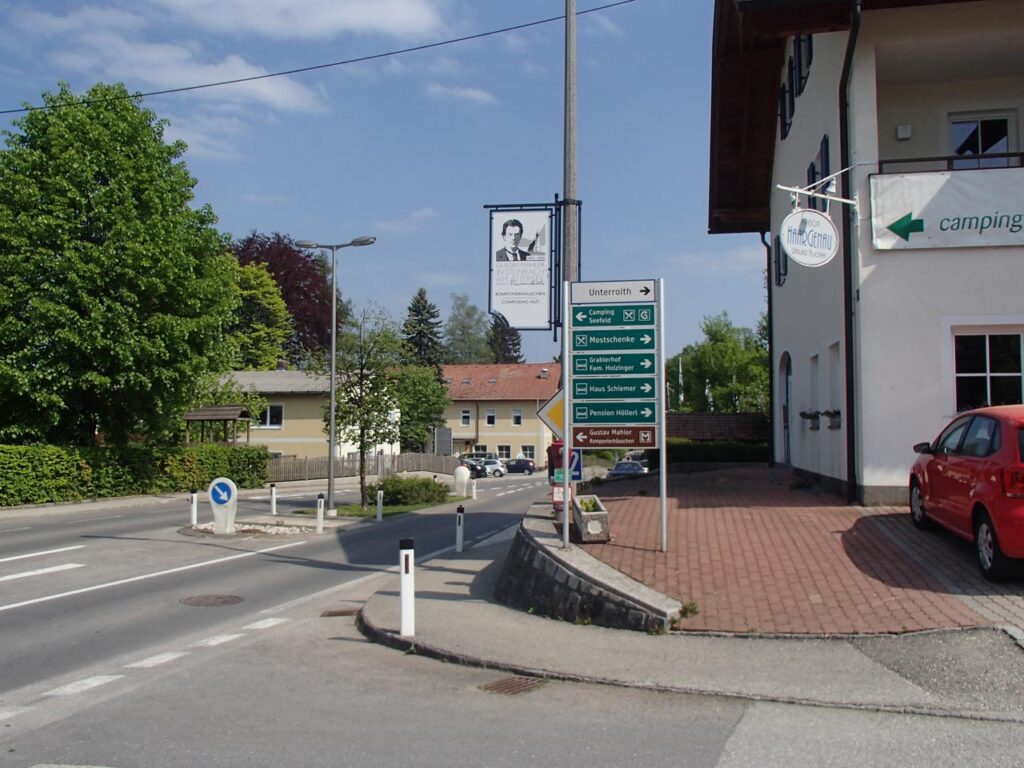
[[614, 372]]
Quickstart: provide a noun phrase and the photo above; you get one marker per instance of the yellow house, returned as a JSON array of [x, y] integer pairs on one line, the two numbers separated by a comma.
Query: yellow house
[[293, 423], [494, 408]]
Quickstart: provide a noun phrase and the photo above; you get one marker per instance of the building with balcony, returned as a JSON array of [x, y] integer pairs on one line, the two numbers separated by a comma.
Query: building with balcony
[[917, 105], [494, 408]]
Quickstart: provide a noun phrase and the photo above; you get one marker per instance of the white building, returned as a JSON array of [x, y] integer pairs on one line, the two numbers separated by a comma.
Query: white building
[[920, 313]]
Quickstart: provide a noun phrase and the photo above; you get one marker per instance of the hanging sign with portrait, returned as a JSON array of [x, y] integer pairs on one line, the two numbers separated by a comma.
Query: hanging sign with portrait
[[520, 258]]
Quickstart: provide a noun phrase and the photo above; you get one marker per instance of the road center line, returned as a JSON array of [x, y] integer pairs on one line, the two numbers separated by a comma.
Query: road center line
[[145, 576], [40, 554], [217, 640], [42, 571], [265, 624], [156, 661], [83, 685], [12, 711]]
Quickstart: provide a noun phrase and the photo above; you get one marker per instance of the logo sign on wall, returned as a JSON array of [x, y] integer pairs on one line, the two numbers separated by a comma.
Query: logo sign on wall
[[809, 237], [520, 266]]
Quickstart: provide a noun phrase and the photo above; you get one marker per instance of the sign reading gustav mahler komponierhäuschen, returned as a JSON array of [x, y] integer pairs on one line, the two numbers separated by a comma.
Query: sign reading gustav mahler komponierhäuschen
[[520, 267]]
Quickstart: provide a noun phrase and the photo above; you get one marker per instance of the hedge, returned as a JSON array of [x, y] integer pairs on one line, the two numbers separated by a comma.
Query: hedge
[[683, 451], [36, 474], [400, 491]]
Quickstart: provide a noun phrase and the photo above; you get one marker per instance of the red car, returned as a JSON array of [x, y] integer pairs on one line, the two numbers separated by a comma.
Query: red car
[[970, 479]]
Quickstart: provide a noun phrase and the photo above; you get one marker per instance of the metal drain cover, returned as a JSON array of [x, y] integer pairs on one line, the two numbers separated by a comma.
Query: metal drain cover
[[210, 601], [510, 686]]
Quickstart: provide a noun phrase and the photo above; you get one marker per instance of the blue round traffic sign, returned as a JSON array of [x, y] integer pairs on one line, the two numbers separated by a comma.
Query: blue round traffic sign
[[221, 493]]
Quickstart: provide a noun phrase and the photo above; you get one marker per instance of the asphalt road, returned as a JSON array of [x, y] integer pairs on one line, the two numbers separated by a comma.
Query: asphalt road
[[81, 588]]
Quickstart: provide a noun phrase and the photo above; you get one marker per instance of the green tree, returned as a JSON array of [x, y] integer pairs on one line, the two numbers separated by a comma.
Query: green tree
[[366, 399], [727, 372], [114, 290], [504, 342], [465, 333], [422, 399], [261, 326], [422, 333]]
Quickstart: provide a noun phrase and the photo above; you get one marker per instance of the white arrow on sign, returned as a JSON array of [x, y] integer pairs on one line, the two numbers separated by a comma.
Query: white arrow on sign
[[646, 412], [581, 437], [646, 363], [581, 316], [645, 339], [222, 495], [646, 387]]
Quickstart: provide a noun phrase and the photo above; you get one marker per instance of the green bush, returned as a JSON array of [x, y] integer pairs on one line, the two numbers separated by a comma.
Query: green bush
[[400, 491], [36, 474], [683, 451]]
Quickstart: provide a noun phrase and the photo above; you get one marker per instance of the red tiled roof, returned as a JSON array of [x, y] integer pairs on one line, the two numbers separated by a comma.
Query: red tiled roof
[[521, 381]]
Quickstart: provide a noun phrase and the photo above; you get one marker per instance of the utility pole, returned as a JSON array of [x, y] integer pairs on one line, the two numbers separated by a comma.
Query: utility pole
[[571, 211]]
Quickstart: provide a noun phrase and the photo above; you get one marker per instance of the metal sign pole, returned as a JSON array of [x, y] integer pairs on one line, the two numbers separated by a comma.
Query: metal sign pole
[[566, 416], [662, 447]]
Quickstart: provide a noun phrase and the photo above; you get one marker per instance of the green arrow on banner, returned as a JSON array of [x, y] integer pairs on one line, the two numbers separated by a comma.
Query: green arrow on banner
[[903, 227]]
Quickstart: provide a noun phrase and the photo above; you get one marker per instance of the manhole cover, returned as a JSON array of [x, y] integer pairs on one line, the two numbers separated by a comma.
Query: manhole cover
[[209, 601], [510, 686]]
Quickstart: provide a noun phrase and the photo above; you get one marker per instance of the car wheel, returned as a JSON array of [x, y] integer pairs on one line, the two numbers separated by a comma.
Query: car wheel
[[917, 512], [991, 560], [498, 473], [528, 471]]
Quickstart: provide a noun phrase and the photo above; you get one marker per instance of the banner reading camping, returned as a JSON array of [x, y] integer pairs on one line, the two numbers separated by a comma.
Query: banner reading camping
[[520, 266]]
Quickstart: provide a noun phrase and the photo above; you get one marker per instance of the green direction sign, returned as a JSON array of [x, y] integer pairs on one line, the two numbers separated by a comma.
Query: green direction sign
[[641, 338], [640, 387], [596, 315], [643, 412], [905, 226], [604, 364]]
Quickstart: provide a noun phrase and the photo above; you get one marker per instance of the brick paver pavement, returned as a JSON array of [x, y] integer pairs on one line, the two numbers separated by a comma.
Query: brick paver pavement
[[758, 555]]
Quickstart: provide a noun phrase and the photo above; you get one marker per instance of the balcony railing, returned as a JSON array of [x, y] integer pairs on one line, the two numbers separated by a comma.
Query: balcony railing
[[952, 163]]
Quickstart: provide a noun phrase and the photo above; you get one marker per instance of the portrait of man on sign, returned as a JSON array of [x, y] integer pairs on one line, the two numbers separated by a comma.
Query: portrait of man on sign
[[520, 270], [512, 234]]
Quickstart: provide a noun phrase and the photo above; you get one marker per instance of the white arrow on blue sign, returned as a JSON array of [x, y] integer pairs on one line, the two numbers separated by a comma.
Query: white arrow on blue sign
[[221, 493]]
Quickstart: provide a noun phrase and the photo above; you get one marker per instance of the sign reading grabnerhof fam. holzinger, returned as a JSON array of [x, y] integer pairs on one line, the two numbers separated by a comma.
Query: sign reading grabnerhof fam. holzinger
[[520, 267]]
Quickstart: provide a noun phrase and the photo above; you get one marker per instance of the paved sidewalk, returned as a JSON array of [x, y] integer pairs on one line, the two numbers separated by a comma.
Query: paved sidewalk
[[976, 673], [757, 555]]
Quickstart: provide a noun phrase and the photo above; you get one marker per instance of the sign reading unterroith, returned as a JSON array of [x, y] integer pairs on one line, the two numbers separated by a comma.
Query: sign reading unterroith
[[613, 292]]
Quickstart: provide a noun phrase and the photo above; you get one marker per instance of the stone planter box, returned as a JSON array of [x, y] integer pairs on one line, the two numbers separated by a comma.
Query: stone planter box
[[591, 525]]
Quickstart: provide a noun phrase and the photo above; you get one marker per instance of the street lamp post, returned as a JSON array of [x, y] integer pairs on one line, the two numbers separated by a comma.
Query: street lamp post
[[332, 510]]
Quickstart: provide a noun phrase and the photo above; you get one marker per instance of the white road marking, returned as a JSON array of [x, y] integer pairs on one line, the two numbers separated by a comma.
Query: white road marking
[[42, 571], [40, 554], [156, 661], [10, 530], [210, 642], [83, 685], [66, 765], [12, 711], [147, 576], [92, 519], [265, 624]]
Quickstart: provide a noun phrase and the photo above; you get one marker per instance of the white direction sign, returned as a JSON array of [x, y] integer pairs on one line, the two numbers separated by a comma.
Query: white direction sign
[[614, 292]]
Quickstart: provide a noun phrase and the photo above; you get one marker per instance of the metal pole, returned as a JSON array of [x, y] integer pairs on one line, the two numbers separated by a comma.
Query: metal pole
[[333, 511], [407, 587], [567, 416], [663, 452], [570, 221]]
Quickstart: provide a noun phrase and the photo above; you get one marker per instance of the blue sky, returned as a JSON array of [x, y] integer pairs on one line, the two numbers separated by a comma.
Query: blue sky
[[410, 147]]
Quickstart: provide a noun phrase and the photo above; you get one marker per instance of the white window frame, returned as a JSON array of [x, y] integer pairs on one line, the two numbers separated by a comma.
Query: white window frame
[[504, 451], [261, 425], [466, 417], [490, 417], [529, 451], [1009, 114], [517, 417], [963, 325]]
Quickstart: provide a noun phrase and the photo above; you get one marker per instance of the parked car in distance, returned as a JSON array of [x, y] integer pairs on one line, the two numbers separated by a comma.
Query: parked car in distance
[[521, 465], [970, 480], [493, 467], [626, 469], [475, 468], [479, 455]]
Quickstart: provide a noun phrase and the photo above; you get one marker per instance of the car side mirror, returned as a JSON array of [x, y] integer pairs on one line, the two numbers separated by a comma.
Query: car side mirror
[[923, 448]]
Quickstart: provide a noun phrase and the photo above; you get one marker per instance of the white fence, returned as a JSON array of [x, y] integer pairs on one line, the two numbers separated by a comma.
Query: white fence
[[292, 468]]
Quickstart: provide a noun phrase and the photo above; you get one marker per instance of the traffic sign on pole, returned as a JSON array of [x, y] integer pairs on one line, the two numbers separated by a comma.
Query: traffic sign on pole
[[615, 437], [639, 412], [596, 316], [600, 363], [552, 413], [634, 388], [587, 340], [613, 292]]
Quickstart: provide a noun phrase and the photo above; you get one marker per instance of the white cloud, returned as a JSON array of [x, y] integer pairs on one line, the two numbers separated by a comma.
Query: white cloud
[[311, 18], [604, 24], [532, 68], [206, 135], [460, 93], [80, 20], [408, 223]]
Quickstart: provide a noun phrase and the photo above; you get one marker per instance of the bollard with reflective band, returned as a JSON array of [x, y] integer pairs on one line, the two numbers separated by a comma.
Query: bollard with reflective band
[[460, 515], [320, 513], [193, 500], [407, 587], [474, 489], [273, 498], [380, 505]]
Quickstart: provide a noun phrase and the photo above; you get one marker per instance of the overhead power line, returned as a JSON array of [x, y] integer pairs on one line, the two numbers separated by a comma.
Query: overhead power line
[[315, 67]]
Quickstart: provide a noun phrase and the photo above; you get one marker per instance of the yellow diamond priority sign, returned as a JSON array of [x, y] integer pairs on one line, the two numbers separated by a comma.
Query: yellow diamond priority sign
[[552, 413]]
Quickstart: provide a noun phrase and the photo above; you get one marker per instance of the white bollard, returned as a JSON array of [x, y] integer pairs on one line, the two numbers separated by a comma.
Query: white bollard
[[474, 489], [460, 514], [407, 587], [380, 506], [273, 498], [320, 513], [193, 500]]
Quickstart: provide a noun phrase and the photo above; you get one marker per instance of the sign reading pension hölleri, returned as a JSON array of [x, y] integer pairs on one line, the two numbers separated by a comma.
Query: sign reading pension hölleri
[[520, 266], [947, 209]]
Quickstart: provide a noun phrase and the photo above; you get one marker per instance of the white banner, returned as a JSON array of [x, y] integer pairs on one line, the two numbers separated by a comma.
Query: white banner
[[520, 259], [949, 209]]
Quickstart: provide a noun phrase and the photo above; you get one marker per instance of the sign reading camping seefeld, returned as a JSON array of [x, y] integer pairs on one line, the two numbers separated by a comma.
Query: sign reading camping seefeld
[[613, 343]]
